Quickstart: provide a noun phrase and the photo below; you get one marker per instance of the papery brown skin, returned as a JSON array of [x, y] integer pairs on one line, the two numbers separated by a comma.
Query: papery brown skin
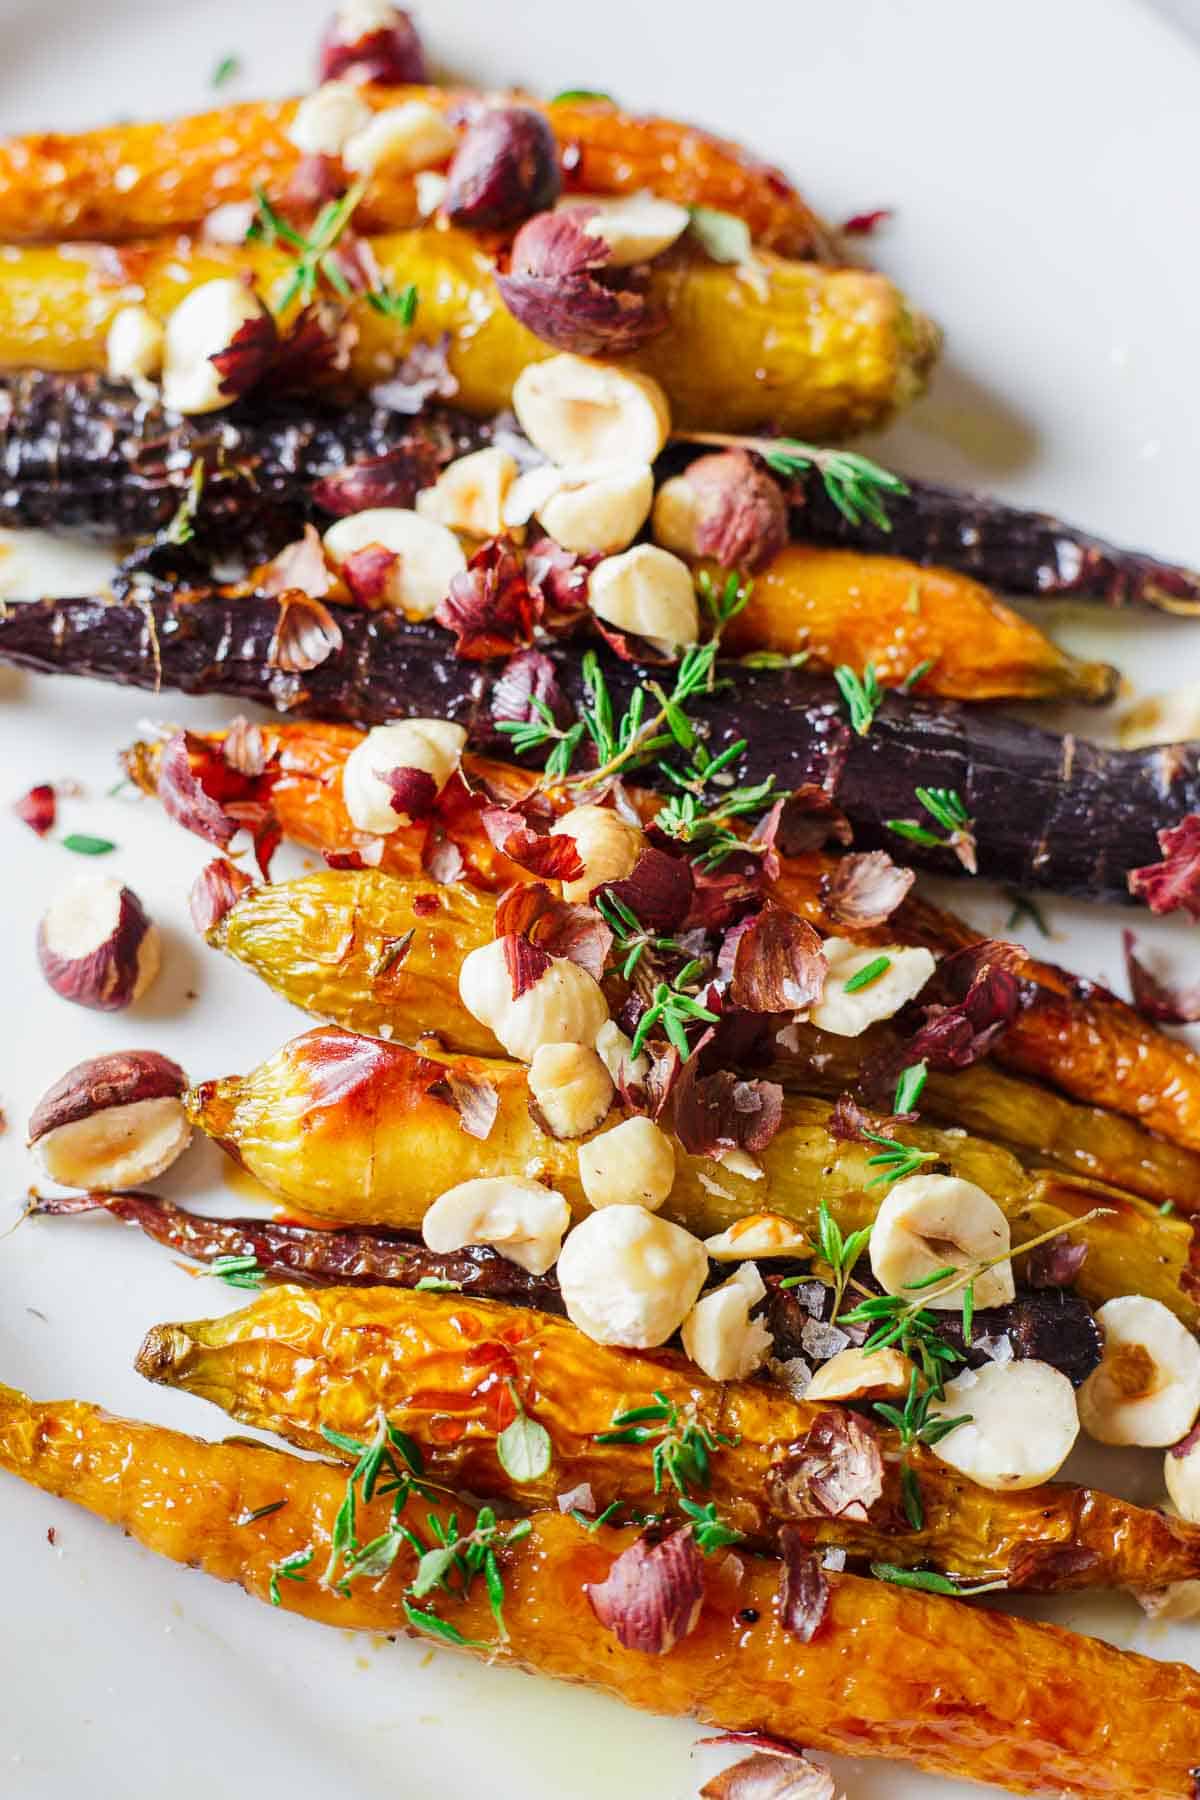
[[188, 167], [836, 350], [105, 977], [1075, 1035], [1027, 1706], [351, 1128], [439, 1366], [116, 1078]]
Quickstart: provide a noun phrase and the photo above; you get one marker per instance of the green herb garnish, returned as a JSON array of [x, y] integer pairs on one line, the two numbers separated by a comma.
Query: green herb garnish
[[182, 528], [910, 1087], [290, 1569], [929, 1582], [897, 1161], [722, 235], [681, 1445], [238, 1271], [1025, 908], [867, 974], [945, 806], [226, 69], [914, 1426], [523, 1447], [569, 94], [709, 1531], [840, 1253], [83, 845], [862, 694], [437, 1284]]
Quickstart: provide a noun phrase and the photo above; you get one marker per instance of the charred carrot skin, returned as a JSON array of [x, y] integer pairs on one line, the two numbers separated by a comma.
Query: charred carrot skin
[[360, 1130], [295, 1362], [84, 453], [1028, 1707], [821, 351], [1088, 814], [1011, 549], [1075, 1036], [125, 181]]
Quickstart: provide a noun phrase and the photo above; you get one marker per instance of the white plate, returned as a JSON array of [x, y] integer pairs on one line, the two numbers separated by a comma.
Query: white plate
[[1039, 160]]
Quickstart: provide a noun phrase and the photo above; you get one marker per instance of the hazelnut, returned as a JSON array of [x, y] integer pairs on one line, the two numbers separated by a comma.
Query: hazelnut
[[849, 1015], [931, 1221], [325, 121], [571, 1089], [431, 745], [1147, 1388], [113, 1121], [862, 1375], [1021, 1424], [650, 593], [470, 492], [608, 845], [505, 168], [720, 1336], [598, 510], [635, 227], [562, 285], [629, 1278], [521, 1219], [631, 1164], [726, 507], [1181, 1467], [202, 326], [565, 1005], [758, 1234], [579, 413], [428, 555], [614, 1047], [97, 946], [371, 40], [134, 346], [412, 136]]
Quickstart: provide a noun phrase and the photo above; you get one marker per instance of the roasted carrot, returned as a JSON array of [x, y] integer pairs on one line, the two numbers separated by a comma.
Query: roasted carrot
[[1088, 814], [1075, 1036], [1029, 1707], [820, 351], [132, 180], [299, 1363], [360, 1130]]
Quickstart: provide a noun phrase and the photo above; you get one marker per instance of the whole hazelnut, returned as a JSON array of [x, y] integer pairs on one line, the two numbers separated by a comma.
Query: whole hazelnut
[[505, 169]]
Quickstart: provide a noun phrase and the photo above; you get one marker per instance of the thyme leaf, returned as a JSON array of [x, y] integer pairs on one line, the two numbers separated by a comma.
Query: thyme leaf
[[862, 694], [523, 1447]]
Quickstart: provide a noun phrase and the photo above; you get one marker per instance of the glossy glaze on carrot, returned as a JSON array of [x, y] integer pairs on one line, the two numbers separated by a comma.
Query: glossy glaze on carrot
[[1028, 1707]]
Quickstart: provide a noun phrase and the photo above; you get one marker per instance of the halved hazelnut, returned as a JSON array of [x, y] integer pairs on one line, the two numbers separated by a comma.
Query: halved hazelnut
[[635, 227], [112, 1122], [134, 346], [599, 509], [650, 592], [505, 168], [97, 946], [326, 120], [206, 325], [411, 136], [580, 412], [470, 493]]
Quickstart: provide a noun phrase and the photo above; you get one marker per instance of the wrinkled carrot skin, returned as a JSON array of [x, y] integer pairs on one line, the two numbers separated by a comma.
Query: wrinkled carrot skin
[[125, 181], [929, 630], [353, 1128], [815, 350], [438, 1367], [959, 1691], [1076, 1036]]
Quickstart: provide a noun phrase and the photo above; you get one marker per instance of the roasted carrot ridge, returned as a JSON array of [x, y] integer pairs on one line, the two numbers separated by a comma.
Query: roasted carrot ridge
[[1076, 1036], [959, 1691], [295, 1362], [134, 180], [353, 1128], [821, 352]]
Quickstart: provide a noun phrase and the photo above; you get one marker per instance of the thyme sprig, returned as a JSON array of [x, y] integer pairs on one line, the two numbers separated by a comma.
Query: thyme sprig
[[535, 734], [681, 1444], [928, 1581], [710, 1532], [839, 1252], [896, 1161], [945, 806], [238, 1271], [451, 1564], [291, 1568], [314, 259], [862, 694], [674, 1008], [376, 1471], [913, 1426], [630, 936], [854, 483]]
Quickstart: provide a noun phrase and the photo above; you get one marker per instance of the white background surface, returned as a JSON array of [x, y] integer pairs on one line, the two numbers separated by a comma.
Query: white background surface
[[1041, 158]]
